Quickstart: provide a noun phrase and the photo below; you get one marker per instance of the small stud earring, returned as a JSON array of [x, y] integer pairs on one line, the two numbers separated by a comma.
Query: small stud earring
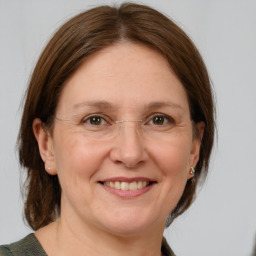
[[192, 171], [48, 168]]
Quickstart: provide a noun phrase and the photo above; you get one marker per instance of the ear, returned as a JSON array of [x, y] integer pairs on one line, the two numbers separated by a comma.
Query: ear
[[196, 144], [45, 145]]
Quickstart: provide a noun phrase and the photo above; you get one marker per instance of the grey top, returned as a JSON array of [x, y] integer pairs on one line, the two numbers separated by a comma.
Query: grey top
[[30, 246]]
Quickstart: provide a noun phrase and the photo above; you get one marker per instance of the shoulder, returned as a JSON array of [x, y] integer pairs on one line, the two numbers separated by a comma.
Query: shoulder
[[4, 251], [28, 246]]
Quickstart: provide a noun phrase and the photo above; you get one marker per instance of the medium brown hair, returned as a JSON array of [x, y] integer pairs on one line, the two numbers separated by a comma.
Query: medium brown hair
[[80, 37]]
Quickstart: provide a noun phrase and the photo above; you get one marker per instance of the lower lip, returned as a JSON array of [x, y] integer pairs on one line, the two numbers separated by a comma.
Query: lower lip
[[128, 194]]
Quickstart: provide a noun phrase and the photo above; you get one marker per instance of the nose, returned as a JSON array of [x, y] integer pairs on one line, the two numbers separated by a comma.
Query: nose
[[128, 148]]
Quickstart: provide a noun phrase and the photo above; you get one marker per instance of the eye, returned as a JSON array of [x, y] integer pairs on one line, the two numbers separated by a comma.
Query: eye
[[160, 120], [94, 120]]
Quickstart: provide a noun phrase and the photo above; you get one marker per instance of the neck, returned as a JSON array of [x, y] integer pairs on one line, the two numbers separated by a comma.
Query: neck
[[101, 242], [64, 238]]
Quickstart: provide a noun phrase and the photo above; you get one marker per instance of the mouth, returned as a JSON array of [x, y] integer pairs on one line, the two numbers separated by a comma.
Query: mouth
[[123, 185], [127, 188]]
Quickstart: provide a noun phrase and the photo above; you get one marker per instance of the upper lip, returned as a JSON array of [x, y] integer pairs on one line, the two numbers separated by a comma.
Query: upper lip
[[126, 179]]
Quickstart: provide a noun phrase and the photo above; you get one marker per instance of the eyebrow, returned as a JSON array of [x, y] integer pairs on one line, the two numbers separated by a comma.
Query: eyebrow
[[109, 106], [160, 104], [96, 104]]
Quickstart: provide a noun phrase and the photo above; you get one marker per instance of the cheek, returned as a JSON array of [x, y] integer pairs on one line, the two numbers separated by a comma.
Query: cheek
[[173, 157], [172, 160], [76, 157], [77, 160]]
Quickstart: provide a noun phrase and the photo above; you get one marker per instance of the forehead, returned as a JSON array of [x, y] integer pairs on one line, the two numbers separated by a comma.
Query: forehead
[[125, 75]]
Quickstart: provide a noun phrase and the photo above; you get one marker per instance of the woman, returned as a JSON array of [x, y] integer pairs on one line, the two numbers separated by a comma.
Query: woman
[[117, 131]]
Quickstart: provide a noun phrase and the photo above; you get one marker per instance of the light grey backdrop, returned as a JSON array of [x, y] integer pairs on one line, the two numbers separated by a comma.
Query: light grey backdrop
[[222, 221]]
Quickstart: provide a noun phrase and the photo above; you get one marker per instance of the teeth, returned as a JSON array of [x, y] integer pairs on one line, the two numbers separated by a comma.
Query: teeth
[[126, 185], [133, 185], [117, 185]]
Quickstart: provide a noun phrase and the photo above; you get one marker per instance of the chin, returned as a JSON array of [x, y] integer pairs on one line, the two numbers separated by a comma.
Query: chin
[[132, 223]]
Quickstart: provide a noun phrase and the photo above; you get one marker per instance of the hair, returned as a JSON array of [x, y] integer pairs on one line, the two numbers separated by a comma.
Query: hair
[[82, 36]]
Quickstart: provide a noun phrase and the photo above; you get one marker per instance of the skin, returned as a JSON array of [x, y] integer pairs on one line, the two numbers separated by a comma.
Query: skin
[[128, 77]]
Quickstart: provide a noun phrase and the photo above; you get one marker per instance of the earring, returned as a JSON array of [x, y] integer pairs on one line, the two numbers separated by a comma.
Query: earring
[[192, 171], [48, 168]]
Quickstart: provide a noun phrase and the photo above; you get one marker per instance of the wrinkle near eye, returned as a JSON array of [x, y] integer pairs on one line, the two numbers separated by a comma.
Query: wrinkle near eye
[[94, 120], [172, 110]]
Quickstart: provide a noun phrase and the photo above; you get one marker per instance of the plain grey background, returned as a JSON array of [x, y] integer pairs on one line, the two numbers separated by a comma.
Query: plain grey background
[[222, 220]]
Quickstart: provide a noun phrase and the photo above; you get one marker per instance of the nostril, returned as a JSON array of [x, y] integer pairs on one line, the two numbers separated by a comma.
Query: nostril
[[128, 157], [128, 149]]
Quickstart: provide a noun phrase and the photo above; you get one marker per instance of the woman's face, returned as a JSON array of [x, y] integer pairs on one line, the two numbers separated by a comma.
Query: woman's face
[[124, 177]]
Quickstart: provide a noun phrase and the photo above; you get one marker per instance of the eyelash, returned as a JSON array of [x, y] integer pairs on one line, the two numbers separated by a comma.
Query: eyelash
[[108, 121], [88, 118], [167, 118]]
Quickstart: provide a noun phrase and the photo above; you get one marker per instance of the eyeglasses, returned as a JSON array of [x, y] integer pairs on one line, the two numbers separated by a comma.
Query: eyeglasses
[[100, 127]]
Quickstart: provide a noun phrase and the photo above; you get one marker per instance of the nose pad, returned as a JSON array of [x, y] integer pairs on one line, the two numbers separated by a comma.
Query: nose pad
[[128, 147]]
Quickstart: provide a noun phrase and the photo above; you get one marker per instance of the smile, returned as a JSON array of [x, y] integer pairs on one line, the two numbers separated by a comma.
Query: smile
[[127, 187], [122, 185]]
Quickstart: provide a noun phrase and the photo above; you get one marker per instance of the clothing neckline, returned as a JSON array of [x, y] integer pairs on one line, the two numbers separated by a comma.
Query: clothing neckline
[[31, 246]]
